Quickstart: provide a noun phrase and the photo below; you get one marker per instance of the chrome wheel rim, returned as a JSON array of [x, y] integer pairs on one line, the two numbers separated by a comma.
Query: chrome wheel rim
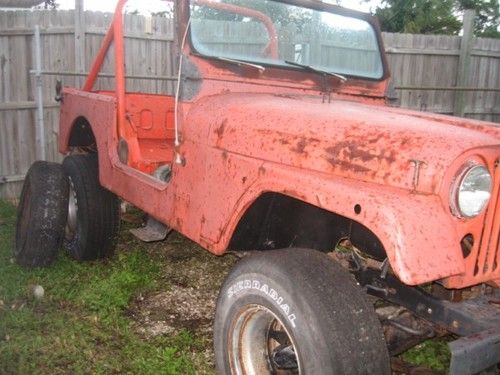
[[260, 344], [72, 223]]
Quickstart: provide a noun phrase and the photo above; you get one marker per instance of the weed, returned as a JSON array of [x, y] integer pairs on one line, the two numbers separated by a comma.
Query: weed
[[431, 353]]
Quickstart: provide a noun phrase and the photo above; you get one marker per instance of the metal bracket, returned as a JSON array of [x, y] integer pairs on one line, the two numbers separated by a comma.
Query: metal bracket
[[59, 91], [473, 354], [416, 175], [461, 318], [154, 231]]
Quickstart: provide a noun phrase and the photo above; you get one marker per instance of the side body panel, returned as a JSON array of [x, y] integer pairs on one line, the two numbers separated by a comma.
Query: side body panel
[[209, 195]]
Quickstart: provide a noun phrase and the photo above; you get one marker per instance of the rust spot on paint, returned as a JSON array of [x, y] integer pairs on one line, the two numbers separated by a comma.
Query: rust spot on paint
[[243, 180], [405, 141], [285, 96], [224, 155], [220, 130], [262, 170], [348, 166], [374, 140], [318, 201], [352, 150], [300, 146], [302, 143], [203, 219], [178, 222]]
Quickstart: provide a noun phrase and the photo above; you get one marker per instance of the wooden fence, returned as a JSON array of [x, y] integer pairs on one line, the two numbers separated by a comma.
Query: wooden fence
[[426, 71]]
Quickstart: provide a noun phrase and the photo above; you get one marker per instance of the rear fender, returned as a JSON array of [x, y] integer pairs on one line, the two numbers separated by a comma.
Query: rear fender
[[100, 112]]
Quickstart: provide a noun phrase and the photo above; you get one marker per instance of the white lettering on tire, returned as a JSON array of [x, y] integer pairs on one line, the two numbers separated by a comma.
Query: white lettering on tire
[[264, 289]]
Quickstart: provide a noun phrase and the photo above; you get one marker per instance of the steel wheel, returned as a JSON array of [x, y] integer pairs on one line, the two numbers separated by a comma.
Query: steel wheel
[[260, 344], [72, 223]]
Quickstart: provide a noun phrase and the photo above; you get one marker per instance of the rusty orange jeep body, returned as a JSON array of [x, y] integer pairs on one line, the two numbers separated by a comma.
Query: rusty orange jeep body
[[267, 155]]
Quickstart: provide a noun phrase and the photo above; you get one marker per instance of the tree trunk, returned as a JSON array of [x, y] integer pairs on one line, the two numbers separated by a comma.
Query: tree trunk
[[20, 3]]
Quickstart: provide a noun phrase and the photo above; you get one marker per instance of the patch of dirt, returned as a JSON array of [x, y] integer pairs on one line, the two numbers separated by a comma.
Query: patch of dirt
[[168, 312], [186, 296]]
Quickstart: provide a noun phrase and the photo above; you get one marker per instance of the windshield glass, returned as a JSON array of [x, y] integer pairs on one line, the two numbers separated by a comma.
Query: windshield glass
[[271, 32]]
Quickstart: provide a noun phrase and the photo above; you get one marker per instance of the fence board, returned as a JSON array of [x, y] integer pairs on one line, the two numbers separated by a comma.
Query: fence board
[[415, 60]]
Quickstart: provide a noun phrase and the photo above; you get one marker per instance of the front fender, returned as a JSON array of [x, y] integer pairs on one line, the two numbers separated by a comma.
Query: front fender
[[418, 234]]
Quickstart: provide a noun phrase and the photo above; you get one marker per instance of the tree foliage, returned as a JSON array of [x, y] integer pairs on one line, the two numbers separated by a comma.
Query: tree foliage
[[50, 4], [438, 16], [44, 4], [278, 12], [20, 3], [418, 16], [488, 16]]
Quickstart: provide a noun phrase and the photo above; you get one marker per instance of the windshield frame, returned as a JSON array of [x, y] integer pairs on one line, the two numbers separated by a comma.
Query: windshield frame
[[322, 7]]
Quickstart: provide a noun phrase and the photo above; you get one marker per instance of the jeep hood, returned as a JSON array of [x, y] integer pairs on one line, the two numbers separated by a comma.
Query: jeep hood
[[371, 143]]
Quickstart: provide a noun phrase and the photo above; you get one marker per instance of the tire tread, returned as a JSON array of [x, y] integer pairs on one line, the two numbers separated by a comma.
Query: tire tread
[[98, 210], [45, 191]]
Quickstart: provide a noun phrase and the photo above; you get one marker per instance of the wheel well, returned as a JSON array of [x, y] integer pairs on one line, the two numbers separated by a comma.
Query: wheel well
[[276, 221], [82, 135]]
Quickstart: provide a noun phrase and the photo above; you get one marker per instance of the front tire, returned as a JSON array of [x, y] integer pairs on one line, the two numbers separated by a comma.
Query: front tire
[[296, 311], [93, 212]]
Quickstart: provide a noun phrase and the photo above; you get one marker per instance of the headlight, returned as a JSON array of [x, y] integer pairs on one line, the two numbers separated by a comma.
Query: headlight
[[474, 191]]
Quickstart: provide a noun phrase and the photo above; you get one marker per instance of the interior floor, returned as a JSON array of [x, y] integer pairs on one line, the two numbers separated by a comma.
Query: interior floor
[[152, 119]]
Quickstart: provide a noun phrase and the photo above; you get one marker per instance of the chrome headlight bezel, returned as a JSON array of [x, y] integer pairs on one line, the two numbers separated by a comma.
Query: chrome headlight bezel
[[471, 170]]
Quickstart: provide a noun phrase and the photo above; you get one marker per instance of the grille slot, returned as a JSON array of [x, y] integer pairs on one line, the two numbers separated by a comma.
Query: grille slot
[[488, 256]]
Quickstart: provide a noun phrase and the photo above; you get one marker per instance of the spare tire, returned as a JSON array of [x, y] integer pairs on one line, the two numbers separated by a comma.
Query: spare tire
[[41, 215]]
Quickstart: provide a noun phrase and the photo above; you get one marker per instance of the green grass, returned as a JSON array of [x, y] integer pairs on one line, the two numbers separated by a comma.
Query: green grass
[[81, 325], [84, 323], [431, 353]]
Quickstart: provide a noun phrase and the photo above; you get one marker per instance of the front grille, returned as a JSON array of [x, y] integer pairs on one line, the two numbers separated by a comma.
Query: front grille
[[487, 265], [482, 264]]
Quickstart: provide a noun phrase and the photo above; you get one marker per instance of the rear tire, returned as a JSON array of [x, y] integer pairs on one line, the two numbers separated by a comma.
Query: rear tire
[[93, 212], [296, 311], [41, 215]]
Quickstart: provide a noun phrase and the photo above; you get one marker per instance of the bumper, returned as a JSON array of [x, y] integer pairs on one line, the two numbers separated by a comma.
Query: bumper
[[475, 353]]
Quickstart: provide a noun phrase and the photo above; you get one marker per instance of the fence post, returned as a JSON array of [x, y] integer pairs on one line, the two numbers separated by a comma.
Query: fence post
[[79, 38], [40, 123], [464, 62]]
